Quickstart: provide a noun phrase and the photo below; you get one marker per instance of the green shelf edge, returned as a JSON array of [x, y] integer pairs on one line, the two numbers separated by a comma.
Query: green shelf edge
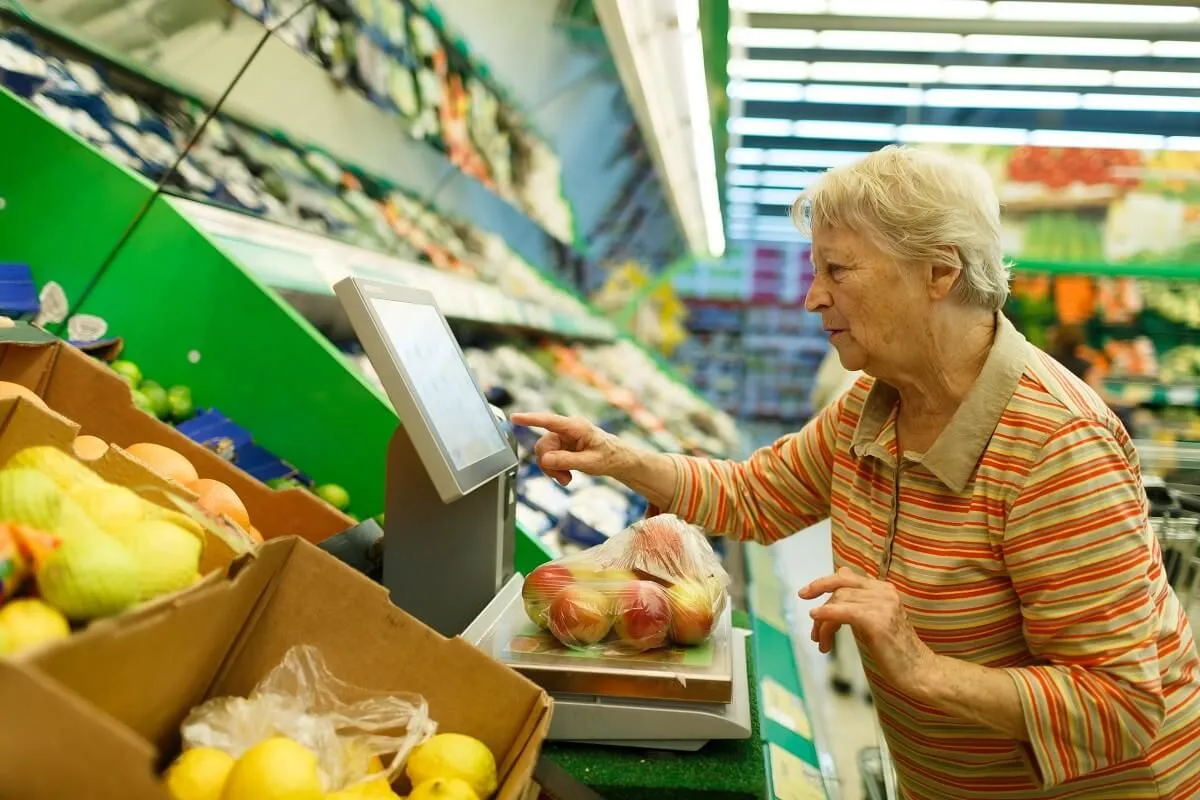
[[1160, 271]]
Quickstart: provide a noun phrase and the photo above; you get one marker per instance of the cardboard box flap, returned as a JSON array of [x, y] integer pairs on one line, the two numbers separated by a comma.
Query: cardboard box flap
[[54, 744], [149, 675], [96, 398], [23, 424], [356, 629]]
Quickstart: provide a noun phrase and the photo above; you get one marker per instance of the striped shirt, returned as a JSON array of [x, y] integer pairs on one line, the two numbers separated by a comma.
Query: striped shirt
[[1018, 541]]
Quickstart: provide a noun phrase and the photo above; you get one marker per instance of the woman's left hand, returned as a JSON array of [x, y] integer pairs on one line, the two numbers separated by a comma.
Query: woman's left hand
[[876, 613]]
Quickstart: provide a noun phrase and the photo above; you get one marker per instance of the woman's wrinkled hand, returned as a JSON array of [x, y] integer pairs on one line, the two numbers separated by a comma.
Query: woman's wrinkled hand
[[875, 610], [571, 443]]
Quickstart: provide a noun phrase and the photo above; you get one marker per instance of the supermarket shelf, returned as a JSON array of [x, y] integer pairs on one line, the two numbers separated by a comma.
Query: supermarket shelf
[[1174, 272], [310, 109], [298, 261], [1144, 393]]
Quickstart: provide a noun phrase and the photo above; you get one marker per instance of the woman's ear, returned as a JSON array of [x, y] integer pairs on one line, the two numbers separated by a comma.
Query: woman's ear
[[944, 273]]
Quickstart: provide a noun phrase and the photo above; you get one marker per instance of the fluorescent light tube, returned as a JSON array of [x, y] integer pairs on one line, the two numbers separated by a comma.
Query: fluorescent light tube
[[700, 122], [769, 91], [1139, 102], [859, 131], [858, 72], [999, 98], [897, 41], [811, 158], [1093, 12], [927, 9], [779, 6], [1157, 80], [788, 179], [741, 194], [773, 38], [768, 70], [740, 210], [777, 197], [758, 126], [1183, 143], [1055, 45], [862, 95], [743, 177], [1119, 141], [961, 134], [747, 156], [1175, 49], [1027, 76]]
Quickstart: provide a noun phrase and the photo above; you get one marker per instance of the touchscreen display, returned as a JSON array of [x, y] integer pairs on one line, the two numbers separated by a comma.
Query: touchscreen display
[[461, 419]]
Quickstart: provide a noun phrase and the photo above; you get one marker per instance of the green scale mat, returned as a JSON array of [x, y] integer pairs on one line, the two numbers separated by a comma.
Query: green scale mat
[[721, 769]]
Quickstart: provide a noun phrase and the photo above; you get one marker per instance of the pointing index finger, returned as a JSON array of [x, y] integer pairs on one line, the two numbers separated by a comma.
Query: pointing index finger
[[551, 422]]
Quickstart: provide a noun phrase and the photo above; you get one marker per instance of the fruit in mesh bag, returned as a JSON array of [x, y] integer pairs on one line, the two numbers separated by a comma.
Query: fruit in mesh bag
[[693, 611], [540, 589], [580, 615], [642, 615]]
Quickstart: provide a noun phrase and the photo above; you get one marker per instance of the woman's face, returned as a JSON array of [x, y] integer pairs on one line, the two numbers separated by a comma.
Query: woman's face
[[873, 312]]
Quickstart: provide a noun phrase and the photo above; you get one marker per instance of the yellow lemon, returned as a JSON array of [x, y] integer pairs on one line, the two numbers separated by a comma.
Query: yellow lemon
[[199, 774], [275, 769], [28, 622], [444, 789], [377, 789], [454, 755]]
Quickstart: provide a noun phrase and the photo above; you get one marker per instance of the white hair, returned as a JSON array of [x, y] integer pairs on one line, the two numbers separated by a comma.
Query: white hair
[[919, 207]]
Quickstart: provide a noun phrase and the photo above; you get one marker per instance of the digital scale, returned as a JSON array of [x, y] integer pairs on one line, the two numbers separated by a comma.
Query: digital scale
[[450, 535]]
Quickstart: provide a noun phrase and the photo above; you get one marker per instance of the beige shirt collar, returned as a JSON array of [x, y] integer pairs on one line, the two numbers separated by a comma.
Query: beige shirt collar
[[955, 454]]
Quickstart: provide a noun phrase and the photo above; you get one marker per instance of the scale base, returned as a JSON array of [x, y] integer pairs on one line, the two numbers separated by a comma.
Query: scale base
[[641, 724]]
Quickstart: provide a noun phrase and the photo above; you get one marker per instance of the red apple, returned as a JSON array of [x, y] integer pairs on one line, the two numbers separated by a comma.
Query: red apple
[[643, 615], [692, 612], [580, 615], [657, 546], [541, 587]]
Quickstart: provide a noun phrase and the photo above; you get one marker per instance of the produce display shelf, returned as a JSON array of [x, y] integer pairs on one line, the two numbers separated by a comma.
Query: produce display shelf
[[1162, 271], [1146, 393], [793, 744], [349, 126], [302, 262]]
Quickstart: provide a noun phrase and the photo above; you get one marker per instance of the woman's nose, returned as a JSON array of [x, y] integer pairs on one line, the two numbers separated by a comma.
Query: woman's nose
[[818, 296]]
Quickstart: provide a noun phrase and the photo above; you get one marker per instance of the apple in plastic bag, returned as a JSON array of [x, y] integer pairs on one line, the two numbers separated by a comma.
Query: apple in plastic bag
[[540, 589], [657, 547], [580, 615], [642, 615], [693, 611]]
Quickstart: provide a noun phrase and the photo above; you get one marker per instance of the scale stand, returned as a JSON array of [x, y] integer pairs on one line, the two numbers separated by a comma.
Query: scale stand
[[444, 562], [658, 724]]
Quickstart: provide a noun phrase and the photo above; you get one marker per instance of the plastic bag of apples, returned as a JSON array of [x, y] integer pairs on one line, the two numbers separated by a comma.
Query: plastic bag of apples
[[654, 584]]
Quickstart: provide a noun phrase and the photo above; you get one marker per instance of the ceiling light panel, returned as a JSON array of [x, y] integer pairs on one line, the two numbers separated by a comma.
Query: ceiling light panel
[[1157, 80], [857, 72], [769, 91], [757, 126], [768, 70], [1120, 141], [862, 95], [1000, 98], [860, 131], [961, 134], [1093, 12], [924, 9], [1026, 76], [891, 41], [1056, 45]]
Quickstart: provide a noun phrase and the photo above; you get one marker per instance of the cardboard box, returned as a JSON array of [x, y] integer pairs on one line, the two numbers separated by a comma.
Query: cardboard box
[[87, 392], [99, 714]]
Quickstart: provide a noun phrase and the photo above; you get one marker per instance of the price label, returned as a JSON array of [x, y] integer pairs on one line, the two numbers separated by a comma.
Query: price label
[[785, 708], [1181, 396], [792, 778]]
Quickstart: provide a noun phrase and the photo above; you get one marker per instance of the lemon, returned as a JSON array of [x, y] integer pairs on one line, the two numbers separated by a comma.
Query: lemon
[[55, 464], [167, 556], [377, 789], [199, 774], [444, 789], [454, 755], [89, 576], [30, 622], [275, 769]]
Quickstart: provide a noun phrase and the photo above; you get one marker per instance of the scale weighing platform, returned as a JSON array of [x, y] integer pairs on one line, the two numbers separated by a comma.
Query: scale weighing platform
[[450, 537]]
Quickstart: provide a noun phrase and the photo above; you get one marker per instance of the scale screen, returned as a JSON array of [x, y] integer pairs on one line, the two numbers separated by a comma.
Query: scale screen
[[422, 369], [437, 375]]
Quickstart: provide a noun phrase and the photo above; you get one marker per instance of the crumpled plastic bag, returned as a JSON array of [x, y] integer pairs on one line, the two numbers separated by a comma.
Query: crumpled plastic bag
[[654, 584], [344, 725]]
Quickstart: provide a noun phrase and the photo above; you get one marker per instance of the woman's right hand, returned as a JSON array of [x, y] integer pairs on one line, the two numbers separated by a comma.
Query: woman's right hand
[[571, 443]]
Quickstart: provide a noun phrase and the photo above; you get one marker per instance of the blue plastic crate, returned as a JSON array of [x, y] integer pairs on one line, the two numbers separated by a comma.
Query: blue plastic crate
[[210, 427], [18, 292]]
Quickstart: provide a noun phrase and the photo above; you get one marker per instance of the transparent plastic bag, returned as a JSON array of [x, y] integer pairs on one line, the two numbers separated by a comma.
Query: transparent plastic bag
[[346, 726], [656, 583]]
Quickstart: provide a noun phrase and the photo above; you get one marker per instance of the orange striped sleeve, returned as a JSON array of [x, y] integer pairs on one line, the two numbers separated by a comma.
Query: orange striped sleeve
[[779, 490], [1080, 556]]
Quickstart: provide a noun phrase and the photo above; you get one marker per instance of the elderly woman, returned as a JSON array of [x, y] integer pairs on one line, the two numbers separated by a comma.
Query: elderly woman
[[989, 524]]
